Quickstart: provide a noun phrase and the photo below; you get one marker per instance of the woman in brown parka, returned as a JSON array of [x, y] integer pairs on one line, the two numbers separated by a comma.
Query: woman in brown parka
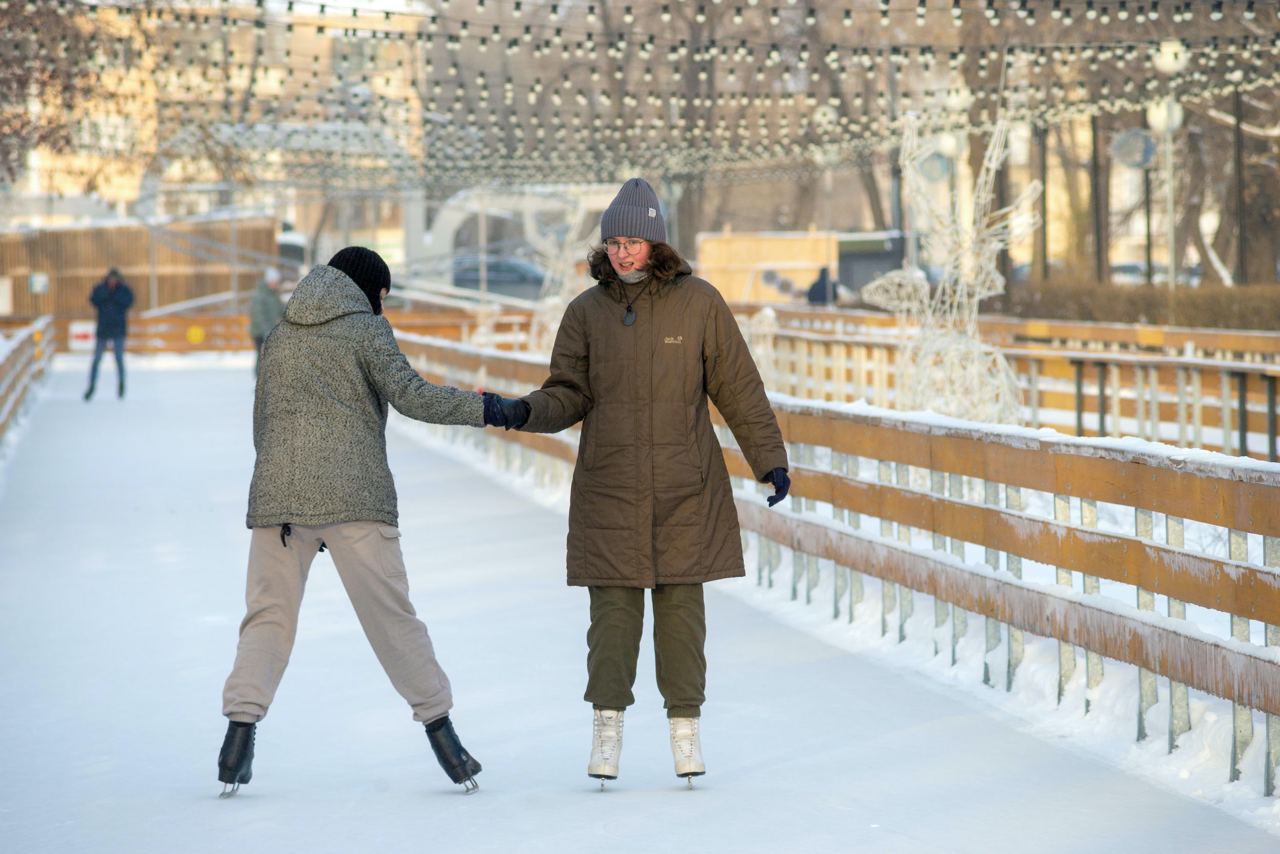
[[635, 360]]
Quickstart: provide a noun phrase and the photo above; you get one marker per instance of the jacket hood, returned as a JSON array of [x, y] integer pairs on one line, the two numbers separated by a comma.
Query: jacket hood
[[685, 270], [324, 294]]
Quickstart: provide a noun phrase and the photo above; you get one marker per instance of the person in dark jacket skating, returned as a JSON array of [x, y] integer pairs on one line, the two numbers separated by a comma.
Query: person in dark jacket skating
[[112, 298], [329, 370]]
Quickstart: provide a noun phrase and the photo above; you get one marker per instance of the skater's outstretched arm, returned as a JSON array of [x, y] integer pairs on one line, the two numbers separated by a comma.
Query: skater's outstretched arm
[[402, 387]]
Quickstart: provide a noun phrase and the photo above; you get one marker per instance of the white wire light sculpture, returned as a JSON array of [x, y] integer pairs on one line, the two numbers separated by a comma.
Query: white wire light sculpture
[[943, 365]]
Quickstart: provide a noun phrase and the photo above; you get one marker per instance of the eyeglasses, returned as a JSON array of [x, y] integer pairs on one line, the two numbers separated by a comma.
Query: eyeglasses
[[631, 247]]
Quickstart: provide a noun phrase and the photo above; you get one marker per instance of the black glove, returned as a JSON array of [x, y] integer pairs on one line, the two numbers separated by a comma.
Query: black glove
[[506, 412], [781, 485]]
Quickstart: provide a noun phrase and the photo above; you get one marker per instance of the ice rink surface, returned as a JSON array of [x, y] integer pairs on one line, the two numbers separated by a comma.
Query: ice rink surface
[[122, 557]]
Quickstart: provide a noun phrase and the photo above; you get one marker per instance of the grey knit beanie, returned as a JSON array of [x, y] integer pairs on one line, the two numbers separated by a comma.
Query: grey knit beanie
[[634, 212]]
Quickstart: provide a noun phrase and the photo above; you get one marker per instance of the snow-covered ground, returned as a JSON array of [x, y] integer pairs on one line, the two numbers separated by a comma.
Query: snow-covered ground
[[122, 552]]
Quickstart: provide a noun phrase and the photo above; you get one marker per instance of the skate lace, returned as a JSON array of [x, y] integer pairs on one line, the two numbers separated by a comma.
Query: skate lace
[[684, 738], [607, 734]]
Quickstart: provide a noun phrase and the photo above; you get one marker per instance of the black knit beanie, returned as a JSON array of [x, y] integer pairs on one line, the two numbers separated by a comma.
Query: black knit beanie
[[367, 269]]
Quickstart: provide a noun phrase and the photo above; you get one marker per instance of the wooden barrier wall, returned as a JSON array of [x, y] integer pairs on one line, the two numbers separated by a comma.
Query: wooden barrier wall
[[25, 353], [75, 259]]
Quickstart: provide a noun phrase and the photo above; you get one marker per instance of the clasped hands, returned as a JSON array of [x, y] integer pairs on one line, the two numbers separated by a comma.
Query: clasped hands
[[505, 412]]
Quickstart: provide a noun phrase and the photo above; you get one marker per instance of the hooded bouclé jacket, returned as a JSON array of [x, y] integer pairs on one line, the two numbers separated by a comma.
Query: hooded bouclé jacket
[[328, 372], [651, 501]]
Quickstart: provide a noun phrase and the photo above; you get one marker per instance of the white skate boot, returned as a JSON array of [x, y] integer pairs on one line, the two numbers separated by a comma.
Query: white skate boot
[[606, 745], [686, 747]]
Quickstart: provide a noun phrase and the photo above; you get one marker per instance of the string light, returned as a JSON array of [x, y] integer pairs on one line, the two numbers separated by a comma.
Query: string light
[[338, 67]]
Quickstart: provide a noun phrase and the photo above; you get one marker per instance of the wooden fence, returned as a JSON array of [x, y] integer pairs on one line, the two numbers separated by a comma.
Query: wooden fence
[[957, 511], [1229, 406], [1190, 342], [190, 259], [195, 332], [25, 353]]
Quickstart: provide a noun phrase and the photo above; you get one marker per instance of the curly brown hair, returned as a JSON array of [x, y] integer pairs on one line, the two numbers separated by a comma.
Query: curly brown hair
[[664, 263]]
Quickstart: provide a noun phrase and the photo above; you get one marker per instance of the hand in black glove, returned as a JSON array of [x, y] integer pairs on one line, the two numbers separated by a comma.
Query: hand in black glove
[[506, 412], [781, 485]]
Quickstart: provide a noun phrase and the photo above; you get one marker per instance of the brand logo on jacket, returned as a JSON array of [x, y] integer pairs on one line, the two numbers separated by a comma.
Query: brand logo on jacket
[[677, 339]]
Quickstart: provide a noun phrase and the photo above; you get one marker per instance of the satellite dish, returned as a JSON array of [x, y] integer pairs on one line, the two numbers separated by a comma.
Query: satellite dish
[[1134, 148]]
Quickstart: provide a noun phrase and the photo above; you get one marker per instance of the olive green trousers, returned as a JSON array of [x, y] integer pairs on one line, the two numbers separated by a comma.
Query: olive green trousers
[[679, 638]]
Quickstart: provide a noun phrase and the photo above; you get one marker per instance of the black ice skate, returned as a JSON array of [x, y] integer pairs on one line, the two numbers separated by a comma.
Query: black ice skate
[[461, 766], [235, 760]]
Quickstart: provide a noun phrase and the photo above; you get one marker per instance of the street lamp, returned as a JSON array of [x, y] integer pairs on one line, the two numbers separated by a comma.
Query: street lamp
[[1165, 117]]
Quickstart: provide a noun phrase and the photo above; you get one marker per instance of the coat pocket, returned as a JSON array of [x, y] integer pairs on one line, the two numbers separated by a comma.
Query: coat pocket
[[389, 555]]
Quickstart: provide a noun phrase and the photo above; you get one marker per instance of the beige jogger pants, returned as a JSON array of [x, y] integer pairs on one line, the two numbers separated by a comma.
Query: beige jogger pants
[[369, 562]]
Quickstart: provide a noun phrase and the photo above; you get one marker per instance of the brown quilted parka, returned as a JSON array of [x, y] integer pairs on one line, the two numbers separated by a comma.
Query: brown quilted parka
[[651, 501]]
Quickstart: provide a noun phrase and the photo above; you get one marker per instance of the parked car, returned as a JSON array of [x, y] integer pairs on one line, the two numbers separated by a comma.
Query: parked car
[[513, 277]]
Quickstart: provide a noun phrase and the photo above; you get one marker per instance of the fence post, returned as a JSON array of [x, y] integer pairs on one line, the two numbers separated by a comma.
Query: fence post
[[1079, 368], [1114, 376], [888, 590], [1017, 644], [1153, 387], [1144, 528], [880, 368], [937, 486], [1033, 390], [906, 599], [1102, 399], [1140, 402], [1180, 383], [1197, 408], [990, 497], [840, 372], [1179, 704], [1271, 761], [959, 619], [1224, 403], [1092, 661], [1066, 652], [1241, 716]]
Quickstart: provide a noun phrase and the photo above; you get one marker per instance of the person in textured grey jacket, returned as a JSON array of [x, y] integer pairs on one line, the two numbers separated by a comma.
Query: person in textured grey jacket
[[328, 372]]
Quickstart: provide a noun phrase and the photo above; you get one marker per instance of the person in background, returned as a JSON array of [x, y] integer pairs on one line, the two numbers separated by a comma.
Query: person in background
[[637, 359], [321, 480], [265, 311], [112, 298], [823, 289]]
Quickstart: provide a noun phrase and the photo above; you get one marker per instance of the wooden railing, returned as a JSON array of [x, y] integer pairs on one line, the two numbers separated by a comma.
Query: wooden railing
[[25, 353], [1190, 342], [1229, 406], [1015, 526], [196, 332]]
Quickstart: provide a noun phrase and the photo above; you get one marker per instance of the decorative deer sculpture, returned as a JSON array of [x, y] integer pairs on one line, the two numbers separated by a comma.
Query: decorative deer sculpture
[[943, 365]]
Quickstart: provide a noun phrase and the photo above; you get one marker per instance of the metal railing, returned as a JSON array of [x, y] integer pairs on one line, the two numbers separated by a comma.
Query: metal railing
[[1036, 535]]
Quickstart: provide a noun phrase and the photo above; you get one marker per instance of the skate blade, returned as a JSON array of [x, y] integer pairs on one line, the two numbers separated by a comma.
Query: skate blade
[[470, 786], [228, 789]]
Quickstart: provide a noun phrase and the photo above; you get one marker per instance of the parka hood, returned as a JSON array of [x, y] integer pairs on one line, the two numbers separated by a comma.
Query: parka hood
[[681, 273], [324, 294]]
